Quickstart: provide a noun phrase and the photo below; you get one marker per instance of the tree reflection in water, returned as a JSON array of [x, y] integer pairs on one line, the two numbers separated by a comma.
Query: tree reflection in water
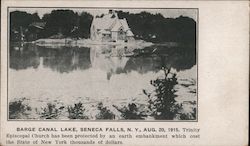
[[64, 59], [23, 57], [67, 59], [111, 61]]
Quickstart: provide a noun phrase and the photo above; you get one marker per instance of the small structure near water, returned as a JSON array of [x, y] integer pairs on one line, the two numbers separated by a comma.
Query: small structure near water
[[35, 30], [110, 28]]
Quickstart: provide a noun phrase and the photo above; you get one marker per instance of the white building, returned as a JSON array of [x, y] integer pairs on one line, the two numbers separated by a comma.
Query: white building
[[110, 28]]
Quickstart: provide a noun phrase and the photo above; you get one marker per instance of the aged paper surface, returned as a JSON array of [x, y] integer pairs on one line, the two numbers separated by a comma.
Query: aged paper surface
[[124, 72]]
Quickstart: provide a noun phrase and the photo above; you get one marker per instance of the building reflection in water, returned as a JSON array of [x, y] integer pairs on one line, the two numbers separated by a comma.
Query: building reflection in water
[[111, 59], [112, 74]]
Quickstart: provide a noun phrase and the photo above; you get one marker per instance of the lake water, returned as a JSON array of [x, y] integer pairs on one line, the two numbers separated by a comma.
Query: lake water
[[113, 75]]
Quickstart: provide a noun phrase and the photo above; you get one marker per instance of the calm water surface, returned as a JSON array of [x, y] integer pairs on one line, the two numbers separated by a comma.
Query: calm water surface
[[111, 74]]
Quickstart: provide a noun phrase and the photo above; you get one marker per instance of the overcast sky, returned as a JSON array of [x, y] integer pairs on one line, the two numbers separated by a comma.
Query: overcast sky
[[167, 13]]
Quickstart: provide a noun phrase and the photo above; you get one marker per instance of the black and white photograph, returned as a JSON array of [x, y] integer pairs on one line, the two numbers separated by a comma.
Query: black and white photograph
[[102, 64]]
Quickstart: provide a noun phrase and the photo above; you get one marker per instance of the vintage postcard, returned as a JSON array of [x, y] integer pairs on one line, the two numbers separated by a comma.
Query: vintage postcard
[[102, 64], [124, 73]]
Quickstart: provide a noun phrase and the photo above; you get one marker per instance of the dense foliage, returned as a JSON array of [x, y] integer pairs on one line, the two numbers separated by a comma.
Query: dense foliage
[[104, 112], [162, 103], [22, 19], [131, 111], [58, 23], [77, 111], [68, 23], [156, 28], [19, 23], [18, 109], [144, 25]]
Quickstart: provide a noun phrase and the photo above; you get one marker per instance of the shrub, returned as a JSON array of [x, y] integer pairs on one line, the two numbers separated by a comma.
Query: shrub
[[188, 116], [104, 113], [162, 103], [77, 111], [17, 109], [131, 112], [50, 112]]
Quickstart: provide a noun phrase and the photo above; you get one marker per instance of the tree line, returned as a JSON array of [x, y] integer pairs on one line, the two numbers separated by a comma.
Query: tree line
[[157, 28], [144, 25], [67, 23]]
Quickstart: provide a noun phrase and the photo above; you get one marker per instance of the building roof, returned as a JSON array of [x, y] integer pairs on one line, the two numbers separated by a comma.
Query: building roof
[[116, 26], [39, 25], [124, 24], [111, 22], [129, 33], [104, 23]]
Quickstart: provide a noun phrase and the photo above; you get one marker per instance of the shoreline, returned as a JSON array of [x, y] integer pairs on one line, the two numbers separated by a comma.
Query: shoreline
[[89, 43]]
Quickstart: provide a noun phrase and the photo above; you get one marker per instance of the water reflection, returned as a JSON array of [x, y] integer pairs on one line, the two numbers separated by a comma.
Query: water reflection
[[66, 59], [111, 59], [23, 57], [62, 60], [115, 75]]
